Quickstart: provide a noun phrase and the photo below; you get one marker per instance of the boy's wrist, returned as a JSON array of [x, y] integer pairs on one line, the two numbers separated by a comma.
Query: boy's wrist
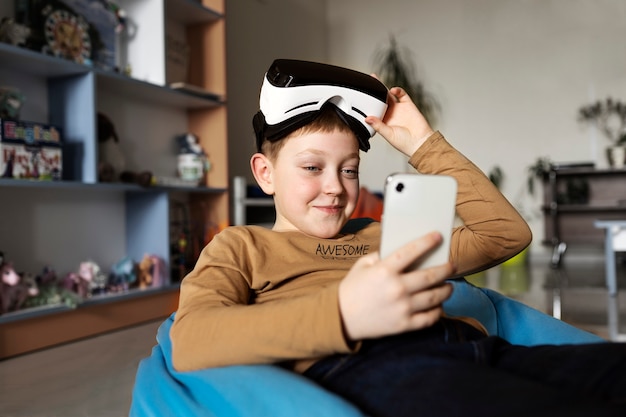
[[419, 142]]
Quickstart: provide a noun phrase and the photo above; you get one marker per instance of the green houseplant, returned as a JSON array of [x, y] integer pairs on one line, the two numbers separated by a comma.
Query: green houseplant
[[609, 116], [537, 171], [394, 66]]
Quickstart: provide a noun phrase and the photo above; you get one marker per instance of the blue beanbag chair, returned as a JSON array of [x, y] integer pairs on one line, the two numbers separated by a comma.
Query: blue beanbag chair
[[267, 390]]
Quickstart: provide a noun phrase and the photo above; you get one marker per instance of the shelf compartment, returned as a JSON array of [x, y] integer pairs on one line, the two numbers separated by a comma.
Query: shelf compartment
[[115, 187], [60, 223], [37, 64], [124, 86], [92, 318], [191, 12], [146, 48], [581, 208]]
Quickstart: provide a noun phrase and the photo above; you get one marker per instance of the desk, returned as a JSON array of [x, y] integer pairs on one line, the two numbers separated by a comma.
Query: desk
[[576, 196], [615, 240]]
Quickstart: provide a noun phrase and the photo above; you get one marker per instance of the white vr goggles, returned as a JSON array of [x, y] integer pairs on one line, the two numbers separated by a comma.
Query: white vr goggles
[[294, 92]]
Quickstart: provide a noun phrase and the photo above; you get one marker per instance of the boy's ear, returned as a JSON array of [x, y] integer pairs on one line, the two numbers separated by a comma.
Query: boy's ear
[[262, 170]]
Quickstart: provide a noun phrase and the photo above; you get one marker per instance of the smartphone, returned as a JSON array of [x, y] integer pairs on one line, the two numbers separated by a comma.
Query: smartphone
[[414, 205]]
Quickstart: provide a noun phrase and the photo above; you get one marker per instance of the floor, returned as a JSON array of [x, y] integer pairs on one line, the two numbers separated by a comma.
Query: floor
[[94, 377], [89, 378]]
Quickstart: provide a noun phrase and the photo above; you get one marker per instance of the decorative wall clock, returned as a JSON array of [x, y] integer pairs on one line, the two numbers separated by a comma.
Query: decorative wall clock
[[82, 31], [67, 35]]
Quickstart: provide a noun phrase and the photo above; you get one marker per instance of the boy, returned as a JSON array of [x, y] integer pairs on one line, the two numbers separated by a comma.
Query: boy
[[313, 295]]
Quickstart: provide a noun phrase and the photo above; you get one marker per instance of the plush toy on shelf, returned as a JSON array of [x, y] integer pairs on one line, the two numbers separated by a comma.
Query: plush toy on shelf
[[88, 281], [12, 32], [11, 101], [111, 159], [150, 272], [51, 291], [13, 292], [123, 275]]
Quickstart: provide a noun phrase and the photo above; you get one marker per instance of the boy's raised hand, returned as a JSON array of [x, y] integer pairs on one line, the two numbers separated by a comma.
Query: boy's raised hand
[[403, 126], [376, 298]]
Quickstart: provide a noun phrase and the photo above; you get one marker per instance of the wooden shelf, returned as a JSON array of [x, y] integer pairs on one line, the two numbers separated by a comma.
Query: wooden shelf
[[62, 223], [63, 325], [24, 60], [191, 12]]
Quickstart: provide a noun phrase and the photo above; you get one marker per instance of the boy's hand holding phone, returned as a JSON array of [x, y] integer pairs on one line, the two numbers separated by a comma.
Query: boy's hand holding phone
[[379, 297], [403, 288]]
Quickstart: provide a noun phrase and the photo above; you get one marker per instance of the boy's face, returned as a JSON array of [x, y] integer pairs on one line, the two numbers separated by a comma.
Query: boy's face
[[316, 183]]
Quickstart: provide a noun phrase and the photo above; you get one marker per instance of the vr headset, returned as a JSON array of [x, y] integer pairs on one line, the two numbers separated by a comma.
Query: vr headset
[[294, 92]]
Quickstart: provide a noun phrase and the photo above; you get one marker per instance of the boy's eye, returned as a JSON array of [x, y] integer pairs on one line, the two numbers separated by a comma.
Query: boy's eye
[[311, 168], [350, 173]]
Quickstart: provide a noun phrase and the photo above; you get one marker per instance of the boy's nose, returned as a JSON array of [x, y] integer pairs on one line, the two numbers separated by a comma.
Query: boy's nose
[[333, 185]]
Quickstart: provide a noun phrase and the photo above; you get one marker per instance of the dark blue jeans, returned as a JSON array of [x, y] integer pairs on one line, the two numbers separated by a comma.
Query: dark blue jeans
[[451, 369]]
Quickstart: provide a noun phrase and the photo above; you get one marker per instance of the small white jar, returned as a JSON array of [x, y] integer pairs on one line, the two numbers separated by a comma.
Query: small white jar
[[190, 167]]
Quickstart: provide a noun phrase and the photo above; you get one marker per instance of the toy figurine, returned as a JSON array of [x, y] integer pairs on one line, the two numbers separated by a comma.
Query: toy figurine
[[150, 272], [111, 160], [13, 293], [51, 291], [123, 275], [11, 101], [144, 178], [189, 143], [88, 281], [12, 32], [73, 282]]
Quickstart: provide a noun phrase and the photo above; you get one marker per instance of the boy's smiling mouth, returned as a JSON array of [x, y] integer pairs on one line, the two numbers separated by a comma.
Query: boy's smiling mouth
[[331, 209]]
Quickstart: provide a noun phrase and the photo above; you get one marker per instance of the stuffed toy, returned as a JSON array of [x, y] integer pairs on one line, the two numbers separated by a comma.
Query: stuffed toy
[[111, 160], [11, 101], [51, 291], [88, 281], [144, 178], [13, 32], [123, 275], [150, 272], [13, 293]]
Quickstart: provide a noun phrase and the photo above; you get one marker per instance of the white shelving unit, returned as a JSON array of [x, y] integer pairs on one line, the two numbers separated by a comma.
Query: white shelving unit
[[63, 223]]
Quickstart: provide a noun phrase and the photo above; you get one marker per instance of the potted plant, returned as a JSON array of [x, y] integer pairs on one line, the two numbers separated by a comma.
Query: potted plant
[[609, 116], [538, 170], [394, 66]]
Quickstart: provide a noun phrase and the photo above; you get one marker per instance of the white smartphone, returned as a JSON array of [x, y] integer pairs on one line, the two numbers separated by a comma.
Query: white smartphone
[[414, 205]]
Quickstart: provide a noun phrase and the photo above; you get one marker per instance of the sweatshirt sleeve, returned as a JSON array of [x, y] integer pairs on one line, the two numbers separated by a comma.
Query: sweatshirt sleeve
[[217, 325], [492, 229]]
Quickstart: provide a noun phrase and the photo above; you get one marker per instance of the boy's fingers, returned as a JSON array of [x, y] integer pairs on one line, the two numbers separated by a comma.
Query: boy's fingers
[[401, 258], [430, 298], [398, 93], [379, 126], [428, 278]]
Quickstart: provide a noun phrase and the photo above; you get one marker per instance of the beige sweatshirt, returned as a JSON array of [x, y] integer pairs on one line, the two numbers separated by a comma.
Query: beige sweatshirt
[[260, 296]]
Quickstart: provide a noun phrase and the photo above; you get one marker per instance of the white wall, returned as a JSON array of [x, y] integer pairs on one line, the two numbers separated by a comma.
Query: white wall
[[509, 74]]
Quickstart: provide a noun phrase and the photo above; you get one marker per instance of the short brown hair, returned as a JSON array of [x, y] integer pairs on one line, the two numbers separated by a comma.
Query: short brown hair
[[327, 121]]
